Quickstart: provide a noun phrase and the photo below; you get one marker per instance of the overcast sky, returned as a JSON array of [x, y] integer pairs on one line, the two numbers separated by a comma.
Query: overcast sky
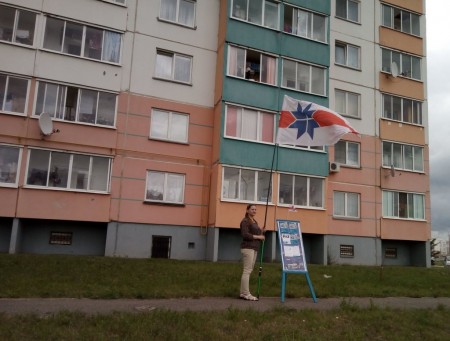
[[438, 63]]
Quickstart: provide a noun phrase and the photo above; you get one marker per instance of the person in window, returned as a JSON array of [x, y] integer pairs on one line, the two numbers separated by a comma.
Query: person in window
[[252, 235]]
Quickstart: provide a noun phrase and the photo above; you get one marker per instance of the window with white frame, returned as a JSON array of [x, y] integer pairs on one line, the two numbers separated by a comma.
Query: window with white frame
[[165, 187], [348, 10], [347, 103], [169, 126], [13, 93], [403, 205], [305, 24], [408, 65], [401, 20], [178, 11], [259, 12], [300, 190], [303, 77], [69, 103], [249, 124], [81, 40], [347, 153], [10, 157], [68, 171], [252, 65], [347, 55], [246, 185], [403, 156], [17, 25], [346, 204], [402, 109], [173, 66]]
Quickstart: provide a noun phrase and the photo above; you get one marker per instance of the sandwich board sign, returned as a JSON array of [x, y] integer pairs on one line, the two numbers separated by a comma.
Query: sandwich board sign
[[292, 253]]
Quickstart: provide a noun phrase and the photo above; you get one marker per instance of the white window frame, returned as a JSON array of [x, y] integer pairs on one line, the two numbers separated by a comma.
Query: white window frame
[[233, 190], [241, 64], [244, 116], [346, 145], [243, 13], [169, 126], [170, 75], [19, 34], [8, 101], [290, 81], [109, 50], [344, 211], [348, 49], [347, 4], [388, 14], [178, 12], [415, 66], [9, 167], [346, 103], [163, 190], [45, 100], [416, 108], [401, 164], [414, 208], [310, 29], [51, 176], [291, 201]]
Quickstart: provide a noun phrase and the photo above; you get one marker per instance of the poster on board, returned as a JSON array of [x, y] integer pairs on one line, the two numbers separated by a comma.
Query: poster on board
[[291, 244]]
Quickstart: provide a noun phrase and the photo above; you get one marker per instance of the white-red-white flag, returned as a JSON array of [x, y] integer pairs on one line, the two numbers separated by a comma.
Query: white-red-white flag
[[309, 124]]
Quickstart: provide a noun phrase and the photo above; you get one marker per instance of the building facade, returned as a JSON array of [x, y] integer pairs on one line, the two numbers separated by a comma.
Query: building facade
[[143, 128]]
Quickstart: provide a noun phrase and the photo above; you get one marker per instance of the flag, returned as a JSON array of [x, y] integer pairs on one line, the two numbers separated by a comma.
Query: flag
[[309, 124]]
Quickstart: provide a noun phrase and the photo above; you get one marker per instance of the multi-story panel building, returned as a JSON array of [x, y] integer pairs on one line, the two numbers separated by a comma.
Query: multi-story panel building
[[144, 128]]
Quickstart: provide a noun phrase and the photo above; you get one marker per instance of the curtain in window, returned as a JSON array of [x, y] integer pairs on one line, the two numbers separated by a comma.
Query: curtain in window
[[303, 24], [419, 206], [353, 13], [387, 152], [100, 174], [111, 49], [339, 54], [155, 186], [317, 80], [397, 155], [339, 99], [353, 56], [247, 185], [230, 185], [236, 62], [231, 123], [315, 192], [174, 188], [339, 203], [187, 13], [353, 205], [353, 104], [271, 15], [267, 127], [268, 70], [159, 124], [418, 159], [9, 159], [182, 70], [249, 125], [353, 154], [300, 190], [388, 204], [319, 24], [169, 10], [179, 127], [255, 11], [263, 187], [340, 152]]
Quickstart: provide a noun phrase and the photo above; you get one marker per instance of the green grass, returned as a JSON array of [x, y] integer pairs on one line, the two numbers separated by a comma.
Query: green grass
[[28, 276]]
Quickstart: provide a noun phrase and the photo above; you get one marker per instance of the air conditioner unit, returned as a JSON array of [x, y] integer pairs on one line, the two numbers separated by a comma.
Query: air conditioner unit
[[334, 167]]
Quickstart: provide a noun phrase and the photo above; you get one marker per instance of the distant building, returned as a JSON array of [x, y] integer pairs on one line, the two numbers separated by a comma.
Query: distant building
[[143, 129]]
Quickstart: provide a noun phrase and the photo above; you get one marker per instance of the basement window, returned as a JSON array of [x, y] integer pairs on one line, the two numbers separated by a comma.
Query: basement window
[[390, 252], [60, 238], [347, 251]]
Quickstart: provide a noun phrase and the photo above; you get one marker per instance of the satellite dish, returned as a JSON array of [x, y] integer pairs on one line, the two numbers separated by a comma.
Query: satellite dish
[[394, 69], [45, 124]]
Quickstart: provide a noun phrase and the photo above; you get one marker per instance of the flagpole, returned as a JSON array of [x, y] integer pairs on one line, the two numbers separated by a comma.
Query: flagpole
[[261, 251]]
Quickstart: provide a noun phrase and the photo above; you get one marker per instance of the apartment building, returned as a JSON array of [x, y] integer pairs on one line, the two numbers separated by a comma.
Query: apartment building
[[143, 128]]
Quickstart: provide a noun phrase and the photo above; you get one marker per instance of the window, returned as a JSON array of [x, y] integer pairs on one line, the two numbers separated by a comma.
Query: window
[[402, 109], [252, 65], [17, 26], [390, 252], [347, 103], [170, 126], [303, 77], [10, 157], [60, 238], [346, 205], [346, 251], [305, 24], [178, 11], [249, 124], [403, 205], [81, 40], [301, 191], [348, 10], [403, 156], [347, 153], [401, 20], [13, 93], [408, 65], [246, 185], [68, 171], [73, 104], [259, 12], [165, 187], [347, 55], [173, 66]]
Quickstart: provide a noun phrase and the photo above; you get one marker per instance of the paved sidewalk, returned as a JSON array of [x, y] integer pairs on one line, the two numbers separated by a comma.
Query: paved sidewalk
[[43, 306]]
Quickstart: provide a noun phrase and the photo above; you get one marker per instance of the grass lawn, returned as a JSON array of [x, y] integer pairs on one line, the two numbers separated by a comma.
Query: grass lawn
[[25, 276]]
